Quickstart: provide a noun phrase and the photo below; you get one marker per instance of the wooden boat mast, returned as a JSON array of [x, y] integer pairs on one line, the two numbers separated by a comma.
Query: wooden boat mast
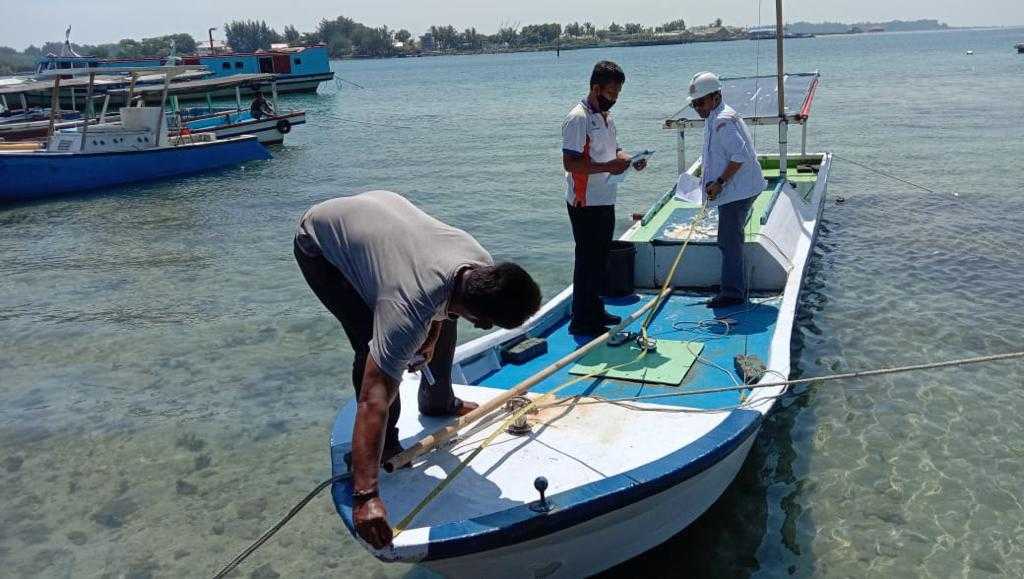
[[783, 124]]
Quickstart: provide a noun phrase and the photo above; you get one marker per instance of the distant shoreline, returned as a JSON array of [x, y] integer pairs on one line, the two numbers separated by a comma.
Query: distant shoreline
[[728, 37]]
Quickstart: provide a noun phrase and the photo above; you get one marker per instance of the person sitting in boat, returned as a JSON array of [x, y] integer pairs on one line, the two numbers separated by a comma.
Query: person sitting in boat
[[398, 279], [590, 153], [260, 107], [732, 180]]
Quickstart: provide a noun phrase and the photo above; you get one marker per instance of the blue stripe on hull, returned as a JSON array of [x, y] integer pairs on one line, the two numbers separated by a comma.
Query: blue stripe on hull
[[29, 176]]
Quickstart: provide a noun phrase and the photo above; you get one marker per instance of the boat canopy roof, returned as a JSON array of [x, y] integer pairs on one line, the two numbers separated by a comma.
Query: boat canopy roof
[[41, 85], [207, 85], [170, 71], [756, 99]]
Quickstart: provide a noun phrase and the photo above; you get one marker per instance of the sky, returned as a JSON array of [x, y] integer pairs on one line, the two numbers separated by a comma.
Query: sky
[[100, 21]]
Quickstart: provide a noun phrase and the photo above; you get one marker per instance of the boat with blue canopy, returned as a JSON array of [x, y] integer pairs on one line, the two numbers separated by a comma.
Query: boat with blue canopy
[[586, 453], [137, 147]]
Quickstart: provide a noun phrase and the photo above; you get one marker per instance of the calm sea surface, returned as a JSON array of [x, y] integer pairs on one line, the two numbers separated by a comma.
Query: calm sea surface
[[167, 380]]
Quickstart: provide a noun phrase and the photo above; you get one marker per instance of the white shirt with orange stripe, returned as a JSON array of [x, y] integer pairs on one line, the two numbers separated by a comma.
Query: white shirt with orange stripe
[[587, 133]]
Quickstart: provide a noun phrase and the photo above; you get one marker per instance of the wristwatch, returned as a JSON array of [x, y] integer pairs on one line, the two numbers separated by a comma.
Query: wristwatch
[[720, 181], [365, 495]]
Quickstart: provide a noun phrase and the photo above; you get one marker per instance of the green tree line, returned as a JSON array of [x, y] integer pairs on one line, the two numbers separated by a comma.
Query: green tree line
[[344, 37]]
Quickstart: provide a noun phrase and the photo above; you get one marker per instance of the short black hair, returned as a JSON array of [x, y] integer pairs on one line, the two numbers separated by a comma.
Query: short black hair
[[504, 293], [605, 73]]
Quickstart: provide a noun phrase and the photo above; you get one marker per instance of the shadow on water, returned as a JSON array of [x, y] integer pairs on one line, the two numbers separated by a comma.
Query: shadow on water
[[757, 525]]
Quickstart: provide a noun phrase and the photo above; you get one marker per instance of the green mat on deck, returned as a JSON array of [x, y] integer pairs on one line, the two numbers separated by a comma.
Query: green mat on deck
[[668, 364]]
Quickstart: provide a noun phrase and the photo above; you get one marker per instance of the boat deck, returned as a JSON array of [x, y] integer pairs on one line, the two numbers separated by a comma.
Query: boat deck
[[677, 212], [636, 442], [682, 317]]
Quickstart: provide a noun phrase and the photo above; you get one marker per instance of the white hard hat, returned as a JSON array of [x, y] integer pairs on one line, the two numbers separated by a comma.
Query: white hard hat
[[703, 84]]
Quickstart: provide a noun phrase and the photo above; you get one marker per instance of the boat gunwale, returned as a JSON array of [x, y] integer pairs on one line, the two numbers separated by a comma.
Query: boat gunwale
[[150, 150]]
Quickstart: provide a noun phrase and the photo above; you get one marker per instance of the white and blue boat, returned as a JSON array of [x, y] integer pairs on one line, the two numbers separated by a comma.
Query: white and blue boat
[[224, 121], [634, 454], [136, 148]]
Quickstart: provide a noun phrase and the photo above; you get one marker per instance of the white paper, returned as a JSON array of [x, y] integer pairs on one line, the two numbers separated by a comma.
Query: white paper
[[688, 188]]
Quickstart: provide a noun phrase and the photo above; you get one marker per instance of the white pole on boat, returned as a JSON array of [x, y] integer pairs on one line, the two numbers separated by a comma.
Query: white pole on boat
[[163, 106], [73, 106], [54, 106], [24, 103], [803, 137], [681, 152], [4, 99], [238, 97], [131, 91], [273, 90], [103, 111], [87, 111], [783, 125]]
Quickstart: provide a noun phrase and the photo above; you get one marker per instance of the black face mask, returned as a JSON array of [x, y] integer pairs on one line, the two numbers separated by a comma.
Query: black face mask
[[604, 104]]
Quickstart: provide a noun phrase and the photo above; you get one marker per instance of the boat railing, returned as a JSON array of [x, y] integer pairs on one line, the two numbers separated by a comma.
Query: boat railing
[[754, 99]]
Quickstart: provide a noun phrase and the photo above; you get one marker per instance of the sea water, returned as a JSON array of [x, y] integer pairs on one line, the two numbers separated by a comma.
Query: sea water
[[168, 381]]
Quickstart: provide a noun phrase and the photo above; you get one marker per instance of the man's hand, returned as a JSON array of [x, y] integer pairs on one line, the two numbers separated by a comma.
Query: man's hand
[[640, 165], [712, 189], [371, 521], [423, 356], [617, 166]]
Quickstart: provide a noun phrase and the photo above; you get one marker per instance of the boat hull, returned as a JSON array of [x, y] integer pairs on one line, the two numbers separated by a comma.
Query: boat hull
[[31, 176], [269, 131], [583, 550]]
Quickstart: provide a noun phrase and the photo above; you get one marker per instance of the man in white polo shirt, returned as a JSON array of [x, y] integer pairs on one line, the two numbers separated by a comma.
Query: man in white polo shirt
[[590, 154], [732, 180]]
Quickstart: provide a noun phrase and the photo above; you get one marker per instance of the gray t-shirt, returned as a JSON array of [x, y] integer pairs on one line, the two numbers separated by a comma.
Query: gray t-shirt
[[402, 261]]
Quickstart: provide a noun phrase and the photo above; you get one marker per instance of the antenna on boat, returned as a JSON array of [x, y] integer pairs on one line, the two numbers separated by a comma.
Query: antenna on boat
[[783, 123]]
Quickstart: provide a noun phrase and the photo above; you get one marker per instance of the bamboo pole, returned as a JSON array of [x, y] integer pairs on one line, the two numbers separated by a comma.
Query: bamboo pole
[[87, 111], [54, 106], [444, 433]]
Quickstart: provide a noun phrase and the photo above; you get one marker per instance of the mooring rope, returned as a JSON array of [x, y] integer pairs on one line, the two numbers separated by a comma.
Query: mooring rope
[[825, 378], [270, 532], [672, 271], [884, 174], [530, 405]]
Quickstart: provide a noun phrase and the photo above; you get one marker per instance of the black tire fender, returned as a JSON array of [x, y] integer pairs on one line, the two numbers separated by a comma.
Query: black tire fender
[[284, 126]]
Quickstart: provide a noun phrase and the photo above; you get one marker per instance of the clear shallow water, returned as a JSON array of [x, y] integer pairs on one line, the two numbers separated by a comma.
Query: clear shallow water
[[167, 381]]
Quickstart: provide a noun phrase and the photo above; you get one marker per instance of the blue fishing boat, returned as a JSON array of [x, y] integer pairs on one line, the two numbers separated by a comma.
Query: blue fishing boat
[[296, 69], [587, 452], [136, 148]]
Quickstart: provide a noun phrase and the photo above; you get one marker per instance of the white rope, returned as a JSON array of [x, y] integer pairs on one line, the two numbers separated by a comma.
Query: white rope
[[828, 378]]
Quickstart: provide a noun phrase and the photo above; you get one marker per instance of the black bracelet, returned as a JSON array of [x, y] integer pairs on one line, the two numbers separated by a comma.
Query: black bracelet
[[365, 495], [720, 181]]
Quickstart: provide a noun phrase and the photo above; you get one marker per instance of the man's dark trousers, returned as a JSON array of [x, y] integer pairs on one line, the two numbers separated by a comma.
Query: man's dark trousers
[[344, 302], [592, 230], [732, 219]]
